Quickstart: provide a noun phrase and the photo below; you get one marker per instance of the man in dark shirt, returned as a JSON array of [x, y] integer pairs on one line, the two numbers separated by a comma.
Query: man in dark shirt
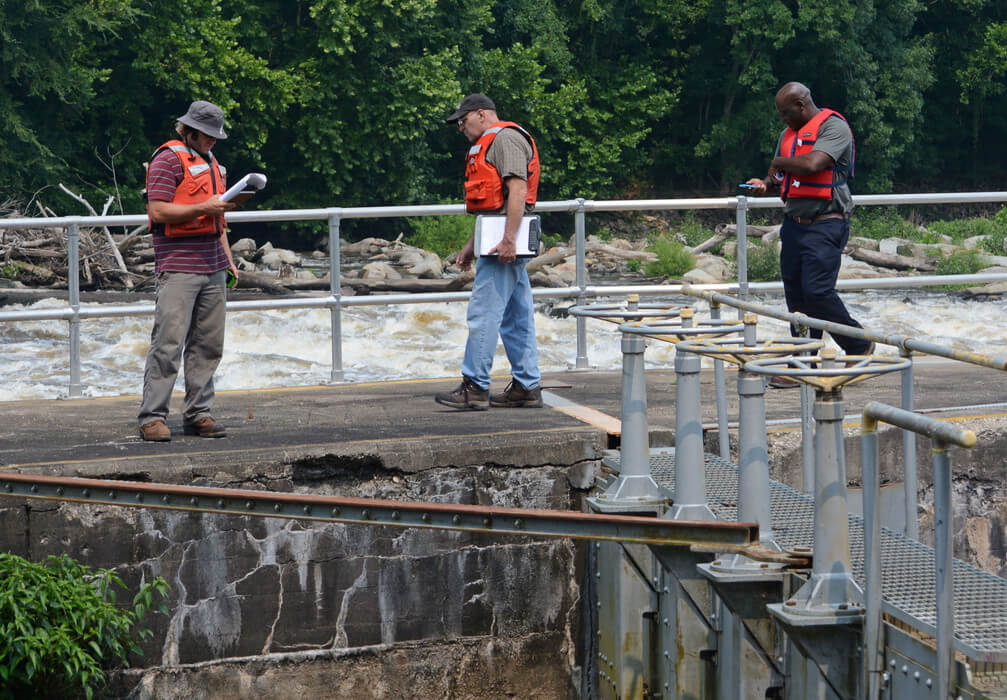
[[192, 259], [814, 160]]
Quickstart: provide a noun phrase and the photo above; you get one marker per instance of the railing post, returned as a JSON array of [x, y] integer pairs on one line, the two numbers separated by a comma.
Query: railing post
[[720, 387], [943, 563], [807, 432], [336, 311], [909, 475], [690, 468], [873, 657], [73, 286], [580, 240], [742, 249]]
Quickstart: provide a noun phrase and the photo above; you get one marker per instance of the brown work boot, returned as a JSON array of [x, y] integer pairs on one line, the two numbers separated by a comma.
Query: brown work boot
[[516, 396], [155, 431], [205, 427], [467, 395], [780, 382]]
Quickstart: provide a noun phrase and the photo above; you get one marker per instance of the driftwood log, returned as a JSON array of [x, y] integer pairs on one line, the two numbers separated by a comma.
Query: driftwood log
[[890, 260]]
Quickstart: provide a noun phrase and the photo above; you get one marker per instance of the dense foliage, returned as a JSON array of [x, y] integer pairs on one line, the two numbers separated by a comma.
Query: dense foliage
[[60, 628], [342, 102]]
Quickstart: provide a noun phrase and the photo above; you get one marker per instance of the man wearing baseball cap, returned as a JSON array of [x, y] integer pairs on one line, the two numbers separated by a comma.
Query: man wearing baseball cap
[[192, 258], [501, 177]]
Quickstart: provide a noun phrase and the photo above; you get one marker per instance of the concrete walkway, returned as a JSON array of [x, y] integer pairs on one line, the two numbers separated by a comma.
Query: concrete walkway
[[397, 425]]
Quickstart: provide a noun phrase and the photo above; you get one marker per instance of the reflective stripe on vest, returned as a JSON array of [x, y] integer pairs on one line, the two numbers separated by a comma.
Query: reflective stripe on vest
[[200, 181]]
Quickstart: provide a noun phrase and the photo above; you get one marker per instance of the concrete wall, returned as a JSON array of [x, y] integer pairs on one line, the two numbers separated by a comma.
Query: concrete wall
[[429, 610]]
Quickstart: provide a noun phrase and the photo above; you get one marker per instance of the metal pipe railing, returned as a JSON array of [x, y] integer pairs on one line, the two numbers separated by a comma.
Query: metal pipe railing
[[907, 345], [582, 291], [942, 434]]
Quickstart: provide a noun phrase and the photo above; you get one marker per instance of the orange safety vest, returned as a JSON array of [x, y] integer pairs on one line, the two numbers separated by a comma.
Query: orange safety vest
[[483, 184], [201, 181], [797, 143]]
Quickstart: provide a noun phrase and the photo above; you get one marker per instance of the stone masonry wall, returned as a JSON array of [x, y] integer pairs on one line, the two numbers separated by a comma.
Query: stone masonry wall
[[248, 587]]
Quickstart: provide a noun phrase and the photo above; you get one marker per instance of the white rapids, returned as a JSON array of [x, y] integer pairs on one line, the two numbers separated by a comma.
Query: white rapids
[[291, 348]]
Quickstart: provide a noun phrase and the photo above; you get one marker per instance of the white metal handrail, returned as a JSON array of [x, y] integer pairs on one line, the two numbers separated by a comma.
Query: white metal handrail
[[581, 290]]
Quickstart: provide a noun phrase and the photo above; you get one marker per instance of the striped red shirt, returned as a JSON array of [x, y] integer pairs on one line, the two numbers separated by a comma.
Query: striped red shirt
[[198, 255]]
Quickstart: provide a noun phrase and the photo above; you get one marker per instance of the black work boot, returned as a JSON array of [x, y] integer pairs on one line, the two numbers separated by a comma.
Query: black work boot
[[467, 395], [516, 396]]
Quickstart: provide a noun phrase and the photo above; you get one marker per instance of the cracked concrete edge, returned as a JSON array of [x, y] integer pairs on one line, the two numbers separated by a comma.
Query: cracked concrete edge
[[561, 447]]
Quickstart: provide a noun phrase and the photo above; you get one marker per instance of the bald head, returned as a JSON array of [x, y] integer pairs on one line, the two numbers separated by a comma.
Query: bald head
[[794, 103]]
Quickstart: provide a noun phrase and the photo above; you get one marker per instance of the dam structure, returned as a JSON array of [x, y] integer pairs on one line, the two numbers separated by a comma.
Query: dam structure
[[680, 532]]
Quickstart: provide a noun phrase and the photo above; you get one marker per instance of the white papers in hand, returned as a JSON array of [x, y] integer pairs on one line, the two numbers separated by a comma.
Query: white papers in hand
[[490, 231], [252, 181]]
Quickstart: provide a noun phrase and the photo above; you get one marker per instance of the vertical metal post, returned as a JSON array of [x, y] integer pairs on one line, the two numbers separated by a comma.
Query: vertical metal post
[[742, 249], [831, 594], [580, 238], [720, 389], [910, 476], [873, 656], [807, 433], [690, 470], [335, 289], [831, 532], [943, 517], [73, 284], [753, 449]]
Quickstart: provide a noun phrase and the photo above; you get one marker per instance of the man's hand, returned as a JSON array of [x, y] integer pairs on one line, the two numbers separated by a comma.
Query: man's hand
[[506, 249], [760, 185], [465, 255], [215, 206]]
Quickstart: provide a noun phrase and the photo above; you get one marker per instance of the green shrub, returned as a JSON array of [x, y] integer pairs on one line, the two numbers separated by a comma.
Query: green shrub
[[60, 628], [995, 244], [441, 234], [879, 223], [633, 265], [960, 229], [691, 231], [763, 263], [965, 263], [673, 258]]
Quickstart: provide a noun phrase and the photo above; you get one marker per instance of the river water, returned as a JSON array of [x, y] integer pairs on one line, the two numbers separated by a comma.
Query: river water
[[291, 348]]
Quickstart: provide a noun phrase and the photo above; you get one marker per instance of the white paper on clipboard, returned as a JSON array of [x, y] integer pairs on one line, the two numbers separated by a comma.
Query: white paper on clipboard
[[252, 181], [490, 231]]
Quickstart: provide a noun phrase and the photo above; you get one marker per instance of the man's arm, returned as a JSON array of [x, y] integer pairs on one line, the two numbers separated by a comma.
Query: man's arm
[[173, 213], [517, 191], [808, 164]]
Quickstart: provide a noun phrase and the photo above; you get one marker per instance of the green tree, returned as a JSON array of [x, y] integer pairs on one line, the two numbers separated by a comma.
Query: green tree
[[53, 56]]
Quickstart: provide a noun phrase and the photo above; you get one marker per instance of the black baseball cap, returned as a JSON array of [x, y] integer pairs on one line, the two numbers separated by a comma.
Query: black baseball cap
[[475, 101]]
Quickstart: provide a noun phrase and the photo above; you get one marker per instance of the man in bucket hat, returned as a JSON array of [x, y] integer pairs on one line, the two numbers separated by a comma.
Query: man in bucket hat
[[192, 259], [501, 177]]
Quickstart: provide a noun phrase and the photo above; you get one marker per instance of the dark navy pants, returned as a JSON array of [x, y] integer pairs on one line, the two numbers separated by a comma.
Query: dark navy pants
[[809, 262]]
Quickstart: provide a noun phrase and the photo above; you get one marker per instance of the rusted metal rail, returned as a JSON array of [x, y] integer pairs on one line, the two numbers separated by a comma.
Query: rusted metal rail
[[366, 511]]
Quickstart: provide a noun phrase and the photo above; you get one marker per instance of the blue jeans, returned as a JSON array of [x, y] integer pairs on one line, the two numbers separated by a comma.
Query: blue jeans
[[809, 264], [501, 305]]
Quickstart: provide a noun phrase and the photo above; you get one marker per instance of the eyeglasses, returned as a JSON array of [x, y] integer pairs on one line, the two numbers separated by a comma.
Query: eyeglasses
[[461, 122]]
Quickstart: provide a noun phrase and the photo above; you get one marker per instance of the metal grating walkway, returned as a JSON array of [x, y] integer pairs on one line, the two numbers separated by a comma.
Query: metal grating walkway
[[907, 567]]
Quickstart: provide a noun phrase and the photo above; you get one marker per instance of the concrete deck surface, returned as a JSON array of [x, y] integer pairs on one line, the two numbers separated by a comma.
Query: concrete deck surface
[[398, 424]]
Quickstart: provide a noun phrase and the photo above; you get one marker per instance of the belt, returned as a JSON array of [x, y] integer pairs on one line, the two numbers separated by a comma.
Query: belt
[[810, 220]]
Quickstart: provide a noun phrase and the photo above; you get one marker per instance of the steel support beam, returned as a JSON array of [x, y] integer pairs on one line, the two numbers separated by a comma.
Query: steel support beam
[[364, 511]]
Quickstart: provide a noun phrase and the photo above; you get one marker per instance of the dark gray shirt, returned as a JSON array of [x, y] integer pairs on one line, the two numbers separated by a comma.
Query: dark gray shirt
[[836, 140]]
